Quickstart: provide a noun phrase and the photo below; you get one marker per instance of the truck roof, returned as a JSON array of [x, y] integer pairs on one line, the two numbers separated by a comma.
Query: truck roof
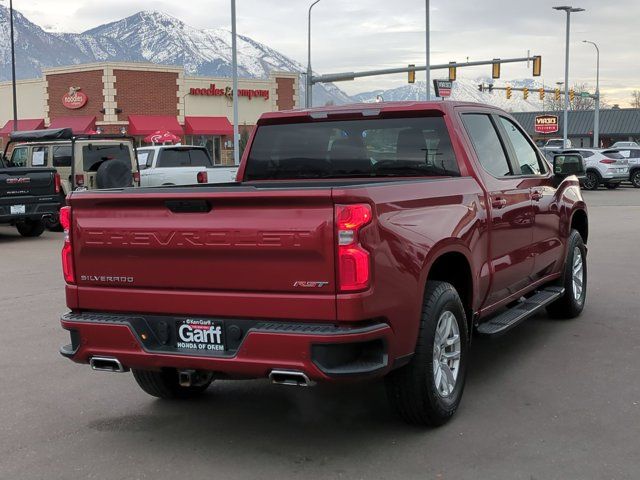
[[444, 106]]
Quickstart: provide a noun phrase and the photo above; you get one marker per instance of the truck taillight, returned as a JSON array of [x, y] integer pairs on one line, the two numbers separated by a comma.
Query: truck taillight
[[136, 177], [354, 264], [56, 182], [67, 253], [203, 177], [79, 180]]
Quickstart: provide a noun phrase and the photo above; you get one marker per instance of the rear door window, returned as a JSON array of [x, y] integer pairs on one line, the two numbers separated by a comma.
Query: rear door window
[[94, 154], [487, 144], [62, 156]]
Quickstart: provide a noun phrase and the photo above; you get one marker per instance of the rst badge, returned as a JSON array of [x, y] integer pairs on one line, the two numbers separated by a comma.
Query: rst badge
[[305, 284]]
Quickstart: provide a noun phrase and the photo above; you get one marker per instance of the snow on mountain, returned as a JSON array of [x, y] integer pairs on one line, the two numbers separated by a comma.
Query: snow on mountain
[[146, 37], [465, 89]]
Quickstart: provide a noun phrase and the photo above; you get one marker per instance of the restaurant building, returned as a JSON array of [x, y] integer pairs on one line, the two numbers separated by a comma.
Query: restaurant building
[[141, 99]]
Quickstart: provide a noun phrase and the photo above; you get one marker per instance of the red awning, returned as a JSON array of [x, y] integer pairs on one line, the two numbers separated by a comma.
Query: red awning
[[26, 124], [80, 124], [143, 125], [207, 126]]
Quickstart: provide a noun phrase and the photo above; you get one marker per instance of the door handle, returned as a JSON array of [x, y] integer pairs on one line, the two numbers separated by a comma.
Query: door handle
[[536, 195], [498, 203]]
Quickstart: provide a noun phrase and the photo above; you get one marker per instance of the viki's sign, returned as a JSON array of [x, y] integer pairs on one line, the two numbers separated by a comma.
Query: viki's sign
[[546, 124], [443, 88], [74, 98]]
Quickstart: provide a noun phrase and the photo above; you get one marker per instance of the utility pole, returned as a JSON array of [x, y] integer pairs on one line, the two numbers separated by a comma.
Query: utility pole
[[234, 61], [596, 113], [428, 53], [565, 127], [309, 89], [13, 70]]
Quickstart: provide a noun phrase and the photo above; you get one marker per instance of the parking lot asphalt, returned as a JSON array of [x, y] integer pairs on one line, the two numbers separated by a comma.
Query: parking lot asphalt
[[551, 400]]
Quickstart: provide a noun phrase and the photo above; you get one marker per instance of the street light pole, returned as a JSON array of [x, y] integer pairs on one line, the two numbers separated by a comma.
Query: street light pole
[[565, 127], [13, 70], [596, 113], [428, 50], [234, 62], [309, 89]]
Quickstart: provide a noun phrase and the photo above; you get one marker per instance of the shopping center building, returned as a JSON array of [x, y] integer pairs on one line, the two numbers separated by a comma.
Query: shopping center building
[[141, 99]]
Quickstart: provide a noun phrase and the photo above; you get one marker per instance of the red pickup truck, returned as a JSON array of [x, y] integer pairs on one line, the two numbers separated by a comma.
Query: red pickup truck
[[359, 242]]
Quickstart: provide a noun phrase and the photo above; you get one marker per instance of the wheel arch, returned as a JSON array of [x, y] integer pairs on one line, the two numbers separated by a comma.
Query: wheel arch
[[580, 222]]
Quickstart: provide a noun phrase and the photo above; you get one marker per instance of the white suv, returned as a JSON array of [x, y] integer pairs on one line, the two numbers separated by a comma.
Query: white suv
[[606, 167]]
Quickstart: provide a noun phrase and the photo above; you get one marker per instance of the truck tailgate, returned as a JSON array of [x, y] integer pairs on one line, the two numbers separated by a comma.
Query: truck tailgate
[[26, 181], [246, 242]]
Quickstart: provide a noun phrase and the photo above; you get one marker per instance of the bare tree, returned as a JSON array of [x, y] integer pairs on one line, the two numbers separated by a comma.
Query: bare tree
[[635, 99]]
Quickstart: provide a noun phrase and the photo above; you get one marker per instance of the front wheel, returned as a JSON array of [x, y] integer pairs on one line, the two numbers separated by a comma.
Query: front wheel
[[30, 228], [591, 181], [574, 280], [635, 178], [165, 384], [428, 390]]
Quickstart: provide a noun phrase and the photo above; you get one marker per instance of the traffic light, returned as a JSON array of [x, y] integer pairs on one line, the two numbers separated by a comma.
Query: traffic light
[[542, 94], [481, 87], [452, 71], [412, 74], [508, 93], [537, 66], [525, 93], [556, 94], [491, 88], [495, 70], [572, 95]]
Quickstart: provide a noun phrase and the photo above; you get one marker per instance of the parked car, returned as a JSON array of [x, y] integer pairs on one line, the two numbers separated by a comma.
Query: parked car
[[603, 167], [180, 165], [360, 242], [557, 143], [625, 145], [83, 161], [633, 157], [29, 197]]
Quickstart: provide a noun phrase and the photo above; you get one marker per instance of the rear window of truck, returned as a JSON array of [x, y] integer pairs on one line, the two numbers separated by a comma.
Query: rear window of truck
[[184, 157], [352, 148]]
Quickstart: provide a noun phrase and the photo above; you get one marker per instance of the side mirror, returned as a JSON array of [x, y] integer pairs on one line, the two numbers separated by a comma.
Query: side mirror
[[567, 164]]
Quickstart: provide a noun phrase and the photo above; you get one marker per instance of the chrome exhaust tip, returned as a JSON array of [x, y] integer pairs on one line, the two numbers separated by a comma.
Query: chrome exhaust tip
[[107, 364], [292, 378]]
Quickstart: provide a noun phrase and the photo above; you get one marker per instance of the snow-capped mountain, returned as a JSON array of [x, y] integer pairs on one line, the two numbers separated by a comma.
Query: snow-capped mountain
[[145, 37], [467, 90]]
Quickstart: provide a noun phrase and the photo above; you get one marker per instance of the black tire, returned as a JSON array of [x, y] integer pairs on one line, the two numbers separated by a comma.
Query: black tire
[[114, 174], [568, 306], [164, 384], [635, 178], [612, 186], [30, 228], [591, 180], [412, 389]]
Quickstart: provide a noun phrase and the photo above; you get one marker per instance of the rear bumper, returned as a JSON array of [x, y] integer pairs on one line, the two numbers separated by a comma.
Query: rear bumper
[[33, 210], [324, 352]]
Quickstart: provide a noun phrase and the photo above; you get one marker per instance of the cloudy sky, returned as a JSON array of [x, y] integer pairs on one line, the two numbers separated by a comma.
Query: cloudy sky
[[364, 34]]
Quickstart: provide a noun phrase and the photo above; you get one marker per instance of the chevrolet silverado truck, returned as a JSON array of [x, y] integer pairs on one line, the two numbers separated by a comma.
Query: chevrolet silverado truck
[[29, 197], [358, 242]]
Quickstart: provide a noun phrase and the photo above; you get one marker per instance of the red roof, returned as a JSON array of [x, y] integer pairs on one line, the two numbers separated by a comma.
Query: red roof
[[144, 125], [208, 126], [25, 124], [79, 124]]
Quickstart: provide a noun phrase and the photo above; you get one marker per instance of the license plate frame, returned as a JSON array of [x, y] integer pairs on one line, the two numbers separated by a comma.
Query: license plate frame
[[18, 209], [198, 335]]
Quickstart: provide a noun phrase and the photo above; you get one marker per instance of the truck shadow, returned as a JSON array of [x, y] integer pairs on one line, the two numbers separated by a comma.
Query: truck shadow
[[293, 424]]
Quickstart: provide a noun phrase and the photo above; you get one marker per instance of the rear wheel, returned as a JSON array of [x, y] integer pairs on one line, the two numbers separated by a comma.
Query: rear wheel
[[635, 178], [30, 228], [591, 181], [164, 384], [574, 280], [428, 390]]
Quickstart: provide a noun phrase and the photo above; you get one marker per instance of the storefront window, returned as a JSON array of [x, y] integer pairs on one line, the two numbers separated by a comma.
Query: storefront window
[[211, 142]]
